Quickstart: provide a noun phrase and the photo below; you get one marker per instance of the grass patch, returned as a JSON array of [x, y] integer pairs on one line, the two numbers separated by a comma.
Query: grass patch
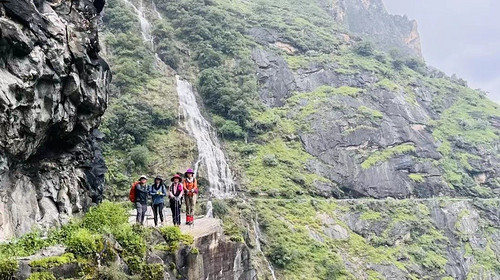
[[50, 262], [384, 155], [417, 178]]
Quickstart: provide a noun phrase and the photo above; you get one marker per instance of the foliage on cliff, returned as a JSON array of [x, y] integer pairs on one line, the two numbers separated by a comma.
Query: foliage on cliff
[[94, 245], [387, 115]]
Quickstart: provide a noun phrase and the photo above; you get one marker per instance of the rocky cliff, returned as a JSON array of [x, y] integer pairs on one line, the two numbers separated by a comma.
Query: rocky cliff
[[351, 162], [370, 20], [53, 91]]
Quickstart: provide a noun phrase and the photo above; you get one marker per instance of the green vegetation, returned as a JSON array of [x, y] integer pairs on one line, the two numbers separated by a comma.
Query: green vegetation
[[7, 268], [264, 143], [384, 155], [91, 238], [174, 238], [153, 272], [50, 262], [417, 178], [42, 276], [388, 84]]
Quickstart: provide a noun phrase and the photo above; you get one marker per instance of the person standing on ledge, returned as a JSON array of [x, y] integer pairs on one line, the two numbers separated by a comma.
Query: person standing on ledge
[[190, 193], [158, 191], [141, 199], [175, 192]]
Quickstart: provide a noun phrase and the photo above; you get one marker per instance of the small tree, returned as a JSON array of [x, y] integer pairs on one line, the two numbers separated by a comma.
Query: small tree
[[364, 48]]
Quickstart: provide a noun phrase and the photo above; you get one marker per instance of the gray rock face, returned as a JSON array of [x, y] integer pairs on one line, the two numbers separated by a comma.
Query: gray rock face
[[369, 19], [53, 90], [276, 79], [462, 223]]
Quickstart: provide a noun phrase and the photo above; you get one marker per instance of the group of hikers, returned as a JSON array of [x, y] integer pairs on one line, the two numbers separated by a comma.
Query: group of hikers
[[178, 190]]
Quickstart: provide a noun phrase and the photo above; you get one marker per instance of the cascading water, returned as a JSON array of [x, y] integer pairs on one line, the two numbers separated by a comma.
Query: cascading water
[[155, 10], [256, 228], [210, 210], [210, 152], [145, 25]]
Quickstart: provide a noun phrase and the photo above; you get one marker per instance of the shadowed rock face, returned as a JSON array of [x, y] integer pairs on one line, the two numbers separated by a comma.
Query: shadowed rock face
[[53, 90]]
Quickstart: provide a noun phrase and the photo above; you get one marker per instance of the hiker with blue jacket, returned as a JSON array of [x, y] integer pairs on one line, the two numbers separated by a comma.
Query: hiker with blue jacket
[[158, 191]]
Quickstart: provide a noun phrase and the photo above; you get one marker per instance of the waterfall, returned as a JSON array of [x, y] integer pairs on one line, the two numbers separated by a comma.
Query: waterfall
[[210, 210], [257, 242], [155, 10], [145, 25], [210, 152]]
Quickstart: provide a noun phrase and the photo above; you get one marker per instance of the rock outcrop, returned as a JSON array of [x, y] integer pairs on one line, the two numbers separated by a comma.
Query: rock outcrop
[[53, 90], [369, 19]]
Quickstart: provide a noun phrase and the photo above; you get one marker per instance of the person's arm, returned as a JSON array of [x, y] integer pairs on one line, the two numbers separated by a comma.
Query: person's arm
[[150, 190], [180, 190], [195, 189], [170, 194], [141, 188], [163, 193], [184, 185]]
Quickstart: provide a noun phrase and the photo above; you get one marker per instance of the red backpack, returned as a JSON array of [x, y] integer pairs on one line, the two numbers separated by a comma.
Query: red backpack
[[131, 195]]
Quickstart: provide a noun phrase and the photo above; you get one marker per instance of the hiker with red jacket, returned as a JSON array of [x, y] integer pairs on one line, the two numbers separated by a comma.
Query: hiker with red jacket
[[141, 199], [175, 192], [158, 191], [191, 193]]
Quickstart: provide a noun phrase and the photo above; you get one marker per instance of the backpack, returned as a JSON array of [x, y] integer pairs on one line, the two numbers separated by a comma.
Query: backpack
[[131, 195]]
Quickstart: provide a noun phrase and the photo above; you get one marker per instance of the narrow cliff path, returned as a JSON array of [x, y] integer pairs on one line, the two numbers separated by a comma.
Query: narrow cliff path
[[376, 199], [202, 226]]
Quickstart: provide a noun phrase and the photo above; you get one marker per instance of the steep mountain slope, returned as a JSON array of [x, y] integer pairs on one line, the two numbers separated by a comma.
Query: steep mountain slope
[[53, 90], [310, 110]]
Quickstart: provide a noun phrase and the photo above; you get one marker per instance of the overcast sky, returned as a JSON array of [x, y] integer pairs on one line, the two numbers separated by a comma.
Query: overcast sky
[[459, 36]]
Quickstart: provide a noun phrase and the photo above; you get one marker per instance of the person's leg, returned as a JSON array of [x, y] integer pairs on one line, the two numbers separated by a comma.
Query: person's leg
[[160, 212], [179, 213], [188, 208], [155, 213], [138, 208], [143, 214], [193, 204], [172, 208]]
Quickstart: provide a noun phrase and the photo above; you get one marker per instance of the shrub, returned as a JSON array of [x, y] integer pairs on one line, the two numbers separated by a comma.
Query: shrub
[[8, 268], [83, 243], [231, 129], [280, 256], [132, 242], [220, 208], [25, 246], [364, 49], [134, 264], [140, 156], [42, 276], [269, 160], [111, 273], [105, 217], [152, 272], [53, 261], [171, 234]]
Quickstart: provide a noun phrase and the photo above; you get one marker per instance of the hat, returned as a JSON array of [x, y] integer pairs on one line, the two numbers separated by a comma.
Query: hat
[[176, 176], [143, 176], [188, 171], [158, 177]]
